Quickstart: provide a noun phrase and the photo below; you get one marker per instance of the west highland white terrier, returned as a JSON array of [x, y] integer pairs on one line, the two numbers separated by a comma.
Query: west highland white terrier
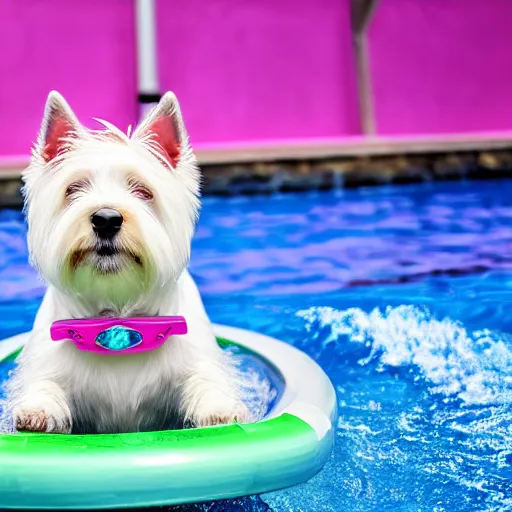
[[110, 222]]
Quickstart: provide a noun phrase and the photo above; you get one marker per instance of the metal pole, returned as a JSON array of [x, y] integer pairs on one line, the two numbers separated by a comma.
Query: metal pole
[[362, 13], [147, 66]]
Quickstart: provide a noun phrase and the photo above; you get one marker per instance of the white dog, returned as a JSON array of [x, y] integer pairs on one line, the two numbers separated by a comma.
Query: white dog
[[110, 218]]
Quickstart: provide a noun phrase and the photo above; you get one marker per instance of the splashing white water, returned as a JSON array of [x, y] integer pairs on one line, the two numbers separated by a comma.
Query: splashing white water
[[450, 452], [475, 367], [258, 393], [6, 424]]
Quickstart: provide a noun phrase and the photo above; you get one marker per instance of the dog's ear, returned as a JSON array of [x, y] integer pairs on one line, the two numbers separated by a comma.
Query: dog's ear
[[59, 123], [164, 125]]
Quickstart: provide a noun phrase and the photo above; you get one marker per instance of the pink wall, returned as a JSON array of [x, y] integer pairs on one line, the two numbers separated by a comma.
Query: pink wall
[[260, 69], [84, 49], [441, 66], [242, 70]]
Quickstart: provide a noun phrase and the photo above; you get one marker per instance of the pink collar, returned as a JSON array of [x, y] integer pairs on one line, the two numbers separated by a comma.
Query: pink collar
[[118, 335]]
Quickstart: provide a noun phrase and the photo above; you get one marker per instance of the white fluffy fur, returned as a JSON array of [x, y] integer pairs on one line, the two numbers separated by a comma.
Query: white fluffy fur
[[58, 388]]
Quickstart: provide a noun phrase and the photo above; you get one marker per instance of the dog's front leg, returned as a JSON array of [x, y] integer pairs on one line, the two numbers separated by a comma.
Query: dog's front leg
[[209, 396], [42, 407]]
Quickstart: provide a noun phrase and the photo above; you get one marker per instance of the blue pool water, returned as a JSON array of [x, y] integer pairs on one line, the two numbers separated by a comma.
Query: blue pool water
[[402, 295]]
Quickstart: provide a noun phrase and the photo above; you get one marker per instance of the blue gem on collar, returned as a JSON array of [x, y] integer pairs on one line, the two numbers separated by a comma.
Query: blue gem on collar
[[118, 338]]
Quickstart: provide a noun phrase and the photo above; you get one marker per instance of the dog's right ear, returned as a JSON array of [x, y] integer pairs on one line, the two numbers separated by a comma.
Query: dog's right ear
[[59, 123]]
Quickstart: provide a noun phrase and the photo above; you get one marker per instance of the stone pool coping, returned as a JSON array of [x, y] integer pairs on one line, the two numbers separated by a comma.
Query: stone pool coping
[[263, 168]]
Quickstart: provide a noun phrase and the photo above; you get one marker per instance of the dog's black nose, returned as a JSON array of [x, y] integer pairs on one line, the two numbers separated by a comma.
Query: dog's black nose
[[106, 222]]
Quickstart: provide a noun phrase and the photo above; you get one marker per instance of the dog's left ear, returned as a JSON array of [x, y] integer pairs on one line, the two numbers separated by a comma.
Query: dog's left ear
[[59, 123], [164, 124]]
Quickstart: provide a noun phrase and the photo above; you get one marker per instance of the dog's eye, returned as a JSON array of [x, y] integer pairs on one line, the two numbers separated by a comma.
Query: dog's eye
[[142, 192], [75, 188]]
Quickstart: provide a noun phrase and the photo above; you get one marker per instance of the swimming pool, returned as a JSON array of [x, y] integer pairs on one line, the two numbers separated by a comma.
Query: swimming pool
[[401, 294]]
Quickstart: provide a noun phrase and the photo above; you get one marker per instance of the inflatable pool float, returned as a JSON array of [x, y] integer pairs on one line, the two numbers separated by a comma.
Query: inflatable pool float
[[287, 447]]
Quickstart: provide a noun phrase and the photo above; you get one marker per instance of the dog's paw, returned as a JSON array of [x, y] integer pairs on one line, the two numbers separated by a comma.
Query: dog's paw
[[209, 414], [42, 419], [239, 415]]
